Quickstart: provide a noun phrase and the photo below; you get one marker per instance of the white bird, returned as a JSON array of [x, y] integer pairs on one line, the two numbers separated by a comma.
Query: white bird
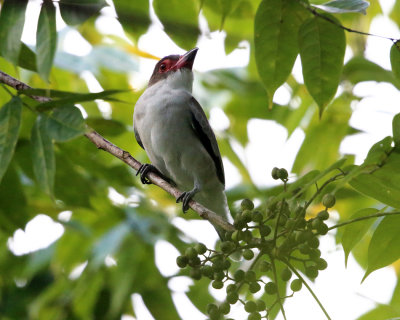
[[172, 128]]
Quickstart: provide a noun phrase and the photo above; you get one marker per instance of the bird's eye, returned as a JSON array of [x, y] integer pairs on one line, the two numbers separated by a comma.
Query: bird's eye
[[163, 67]]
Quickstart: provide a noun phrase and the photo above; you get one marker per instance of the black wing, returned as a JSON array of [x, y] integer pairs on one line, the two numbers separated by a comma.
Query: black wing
[[138, 138], [206, 135]]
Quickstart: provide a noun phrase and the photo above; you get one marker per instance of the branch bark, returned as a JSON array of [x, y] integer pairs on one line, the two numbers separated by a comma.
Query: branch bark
[[104, 144]]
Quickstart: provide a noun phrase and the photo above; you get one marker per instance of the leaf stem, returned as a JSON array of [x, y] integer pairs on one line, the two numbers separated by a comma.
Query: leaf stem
[[308, 287], [376, 215], [334, 178], [277, 288]]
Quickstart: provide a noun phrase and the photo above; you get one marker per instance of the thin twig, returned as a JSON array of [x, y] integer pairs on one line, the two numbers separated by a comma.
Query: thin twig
[[104, 144], [376, 215], [336, 23], [277, 288]]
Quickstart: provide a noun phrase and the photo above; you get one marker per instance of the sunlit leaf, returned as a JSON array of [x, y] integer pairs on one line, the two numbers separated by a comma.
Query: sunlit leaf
[[133, 15], [396, 129], [65, 123], [46, 38], [10, 121], [275, 40], [384, 246], [354, 232], [395, 59], [322, 46], [382, 311], [44, 164], [12, 19], [343, 6]]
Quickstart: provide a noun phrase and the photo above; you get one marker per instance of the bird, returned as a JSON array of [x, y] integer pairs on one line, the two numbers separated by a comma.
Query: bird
[[171, 126]]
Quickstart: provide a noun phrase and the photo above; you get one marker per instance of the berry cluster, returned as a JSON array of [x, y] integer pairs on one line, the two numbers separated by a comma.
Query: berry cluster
[[277, 240]]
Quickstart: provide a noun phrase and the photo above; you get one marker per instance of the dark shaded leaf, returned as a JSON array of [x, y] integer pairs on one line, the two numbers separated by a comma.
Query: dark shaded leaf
[[322, 47], [275, 41], [77, 11], [44, 165], [27, 58], [46, 39], [12, 19], [10, 122], [133, 15], [396, 129], [107, 127], [65, 123]]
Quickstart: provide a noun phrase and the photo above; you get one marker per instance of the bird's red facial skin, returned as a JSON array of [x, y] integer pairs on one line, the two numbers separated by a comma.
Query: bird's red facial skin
[[166, 65]]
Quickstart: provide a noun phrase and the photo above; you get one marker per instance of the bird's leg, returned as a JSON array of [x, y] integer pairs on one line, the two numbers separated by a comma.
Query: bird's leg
[[146, 168], [186, 196]]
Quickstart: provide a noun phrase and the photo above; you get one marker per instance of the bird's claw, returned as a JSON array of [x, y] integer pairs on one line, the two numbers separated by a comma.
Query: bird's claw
[[185, 198], [143, 171]]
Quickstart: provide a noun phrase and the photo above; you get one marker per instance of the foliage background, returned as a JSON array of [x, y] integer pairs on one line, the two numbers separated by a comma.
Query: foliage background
[[115, 240]]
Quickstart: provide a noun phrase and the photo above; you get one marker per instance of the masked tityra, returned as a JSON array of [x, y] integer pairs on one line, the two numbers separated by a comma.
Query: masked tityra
[[171, 127]]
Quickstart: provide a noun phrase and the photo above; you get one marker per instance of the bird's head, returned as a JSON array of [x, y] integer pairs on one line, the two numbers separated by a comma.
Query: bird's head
[[175, 69]]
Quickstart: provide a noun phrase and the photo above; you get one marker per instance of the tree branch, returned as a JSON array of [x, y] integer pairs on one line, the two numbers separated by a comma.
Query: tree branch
[[104, 144]]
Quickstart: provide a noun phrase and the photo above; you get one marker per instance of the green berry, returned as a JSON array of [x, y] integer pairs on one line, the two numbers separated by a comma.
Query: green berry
[[248, 254], [257, 216], [236, 235], [265, 266], [313, 242], [323, 215], [231, 288], [246, 216], [182, 261], [225, 307], [217, 284], [261, 306], [247, 204], [227, 246], [321, 264], [254, 316], [250, 276], [247, 236], [226, 264], [329, 200], [207, 271], [275, 173], [304, 248], [311, 272], [296, 285], [282, 174], [211, 307], [250, 306], [232, 297], [270, 288], [191, 253], [218, 265], [322, 229], [254, 287], [201, 248], [314, 254], [239, 275], [219, 275], [286, 274], [265, 230], [195, 273], [194, 262], [316, 223]]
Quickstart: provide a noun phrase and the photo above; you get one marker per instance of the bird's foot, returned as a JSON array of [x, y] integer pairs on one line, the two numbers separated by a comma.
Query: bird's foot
[[144, 170], [185, 198]]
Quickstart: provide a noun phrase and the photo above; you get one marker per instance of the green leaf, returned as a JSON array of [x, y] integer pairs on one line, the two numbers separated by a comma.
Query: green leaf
[[133, 15], [106, 127], [44, 165], [275, 39], [46, 39], [381, 312], [322, 47], [180, 20], [395, 59], [359, 69], [27, 58], [67, 97], [12, 19], [385, 243], [75, 12], [396, 129], [109, 243], [354, 232], [343, 6], [10, 122], [65, 123]]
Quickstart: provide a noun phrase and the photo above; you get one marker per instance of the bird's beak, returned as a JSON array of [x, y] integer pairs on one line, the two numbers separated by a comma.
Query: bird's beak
[[186, 60]]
